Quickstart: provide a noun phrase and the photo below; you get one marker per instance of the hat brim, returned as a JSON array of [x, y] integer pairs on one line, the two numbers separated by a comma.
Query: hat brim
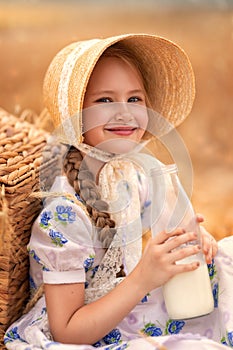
[[165, 66]]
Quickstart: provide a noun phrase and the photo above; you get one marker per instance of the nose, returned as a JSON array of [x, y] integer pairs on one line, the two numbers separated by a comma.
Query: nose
[[123, 113]]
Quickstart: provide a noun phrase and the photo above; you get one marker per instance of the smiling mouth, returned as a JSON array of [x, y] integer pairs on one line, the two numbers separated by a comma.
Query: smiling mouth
[[122, 130]]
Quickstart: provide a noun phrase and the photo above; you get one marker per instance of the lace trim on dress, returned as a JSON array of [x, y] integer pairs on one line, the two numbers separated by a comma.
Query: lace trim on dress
[[105, 278], [119, 188]]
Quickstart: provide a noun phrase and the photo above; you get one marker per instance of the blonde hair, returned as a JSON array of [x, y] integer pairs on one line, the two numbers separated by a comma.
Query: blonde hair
[[121, 51]]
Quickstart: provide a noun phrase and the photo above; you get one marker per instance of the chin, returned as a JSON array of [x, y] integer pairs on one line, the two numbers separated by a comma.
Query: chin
[[118, 146]]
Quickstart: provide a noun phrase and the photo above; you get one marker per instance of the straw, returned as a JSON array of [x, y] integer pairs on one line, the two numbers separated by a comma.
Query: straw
[[21, 166]]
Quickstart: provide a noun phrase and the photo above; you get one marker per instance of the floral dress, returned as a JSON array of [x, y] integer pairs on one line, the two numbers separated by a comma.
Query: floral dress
[[64, 249]]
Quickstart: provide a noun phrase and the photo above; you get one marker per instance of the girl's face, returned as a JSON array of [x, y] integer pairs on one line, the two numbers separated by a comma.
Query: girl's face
[[114, 119]]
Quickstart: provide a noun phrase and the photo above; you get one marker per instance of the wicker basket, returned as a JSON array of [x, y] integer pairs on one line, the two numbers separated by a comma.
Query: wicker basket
[[22, 162]]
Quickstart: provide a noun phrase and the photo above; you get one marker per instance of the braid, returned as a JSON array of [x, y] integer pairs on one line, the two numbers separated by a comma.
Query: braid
[[34, 298], [82, 180]]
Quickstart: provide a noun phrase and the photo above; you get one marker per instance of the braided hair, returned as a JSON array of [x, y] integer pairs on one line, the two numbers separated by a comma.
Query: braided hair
[[82, 180]]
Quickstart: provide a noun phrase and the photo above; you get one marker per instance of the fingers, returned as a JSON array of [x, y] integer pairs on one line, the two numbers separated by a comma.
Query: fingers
[[210, 248], [179, 268], [175, 250], [200, 218], [177, 241], [183, 259], [209, 245], [184, 254], [165, 256], [209, 255], [164, 236]]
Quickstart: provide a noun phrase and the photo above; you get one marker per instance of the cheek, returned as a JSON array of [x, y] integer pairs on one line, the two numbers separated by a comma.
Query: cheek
[[140, 114], [94, 117], [91, 122], [143, 123], [93, 136], [139, 135]]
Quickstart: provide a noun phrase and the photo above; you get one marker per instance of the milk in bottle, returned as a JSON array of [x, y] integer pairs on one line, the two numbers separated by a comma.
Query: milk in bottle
[[187, 294]]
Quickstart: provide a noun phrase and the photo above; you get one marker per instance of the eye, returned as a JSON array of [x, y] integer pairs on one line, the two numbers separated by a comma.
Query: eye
[[135, 99], [104, 100]]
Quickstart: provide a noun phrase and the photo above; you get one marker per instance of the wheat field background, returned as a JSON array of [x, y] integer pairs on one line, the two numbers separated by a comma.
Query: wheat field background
[[32, 32]]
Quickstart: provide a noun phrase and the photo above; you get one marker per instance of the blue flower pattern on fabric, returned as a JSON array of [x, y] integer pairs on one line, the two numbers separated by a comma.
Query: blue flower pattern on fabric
[[211, 270], [88, 263], [174, 327], [43, 311], [33, 254], [64, 214], [97, 344], [94, 271], [11, 335], [145, 299], [44, 219], [79, 198], [113, 337], [152, 330], [145, 206], [32, 283], [44, 268], [230, 338], [215, 286], [215, 294], [57, 238], [223, 341]]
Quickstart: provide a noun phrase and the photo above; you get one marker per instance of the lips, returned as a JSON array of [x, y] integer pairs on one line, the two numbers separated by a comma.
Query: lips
[[121, 130]]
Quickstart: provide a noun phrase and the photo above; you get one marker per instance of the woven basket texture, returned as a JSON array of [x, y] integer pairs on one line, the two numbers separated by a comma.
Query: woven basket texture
[[23, 165]]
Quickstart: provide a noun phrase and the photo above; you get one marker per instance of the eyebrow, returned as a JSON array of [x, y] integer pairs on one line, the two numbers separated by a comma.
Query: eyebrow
[[106, 92]]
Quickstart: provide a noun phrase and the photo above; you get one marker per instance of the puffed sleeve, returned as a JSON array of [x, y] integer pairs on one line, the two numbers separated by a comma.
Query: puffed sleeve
[[61, 242]]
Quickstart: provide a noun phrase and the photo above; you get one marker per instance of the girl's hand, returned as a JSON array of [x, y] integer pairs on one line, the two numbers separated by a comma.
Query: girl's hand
[[208, 242], [158, 262]]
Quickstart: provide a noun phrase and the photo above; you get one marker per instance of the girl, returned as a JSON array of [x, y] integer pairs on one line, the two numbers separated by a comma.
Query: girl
[[100, 289]]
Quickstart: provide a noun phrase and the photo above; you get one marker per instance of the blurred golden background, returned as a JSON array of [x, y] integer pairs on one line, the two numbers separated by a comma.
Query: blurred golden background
[[32, 32]]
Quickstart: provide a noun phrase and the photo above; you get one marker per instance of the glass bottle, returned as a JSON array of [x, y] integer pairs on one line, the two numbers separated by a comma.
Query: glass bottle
[[187, 294]]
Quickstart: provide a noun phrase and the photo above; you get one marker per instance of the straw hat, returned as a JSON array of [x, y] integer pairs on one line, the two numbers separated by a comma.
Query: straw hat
[[165, 67]]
